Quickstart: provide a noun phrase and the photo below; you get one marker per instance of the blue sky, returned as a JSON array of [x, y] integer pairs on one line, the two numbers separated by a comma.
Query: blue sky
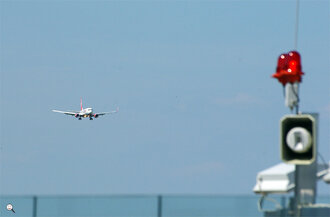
[[199, 110]]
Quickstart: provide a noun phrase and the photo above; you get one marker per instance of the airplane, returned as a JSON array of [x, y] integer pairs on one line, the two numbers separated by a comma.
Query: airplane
[[85, 113]]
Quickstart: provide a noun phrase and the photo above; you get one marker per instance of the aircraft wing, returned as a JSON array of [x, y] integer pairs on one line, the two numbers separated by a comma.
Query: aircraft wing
[[66, 113], [104, 113]]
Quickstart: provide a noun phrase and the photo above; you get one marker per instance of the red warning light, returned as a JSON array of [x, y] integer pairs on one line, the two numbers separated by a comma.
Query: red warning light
[[288, 68]]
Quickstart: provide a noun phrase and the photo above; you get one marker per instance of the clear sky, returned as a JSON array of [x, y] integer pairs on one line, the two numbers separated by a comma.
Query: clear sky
[[199, 111]]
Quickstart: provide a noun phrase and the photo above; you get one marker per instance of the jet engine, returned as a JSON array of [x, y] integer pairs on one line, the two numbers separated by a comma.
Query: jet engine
[[96, 115]]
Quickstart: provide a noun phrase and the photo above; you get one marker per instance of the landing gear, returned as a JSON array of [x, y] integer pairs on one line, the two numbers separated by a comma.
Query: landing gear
[[79, 119], [91, 119]]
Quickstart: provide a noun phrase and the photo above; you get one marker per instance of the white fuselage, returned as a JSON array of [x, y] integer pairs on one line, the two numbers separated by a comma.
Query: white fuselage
[[86, 112]]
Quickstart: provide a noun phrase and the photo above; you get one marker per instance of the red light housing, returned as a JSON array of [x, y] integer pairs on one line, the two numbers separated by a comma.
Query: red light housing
[[294, 62], [281, 63], [288, 68]]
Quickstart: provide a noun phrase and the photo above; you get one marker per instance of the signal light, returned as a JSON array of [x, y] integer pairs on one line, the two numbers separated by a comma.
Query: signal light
[[288, 68], [294, 62], [281, 63]]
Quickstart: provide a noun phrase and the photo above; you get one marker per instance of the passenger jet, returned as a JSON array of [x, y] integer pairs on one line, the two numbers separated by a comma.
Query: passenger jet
[[85, 113]]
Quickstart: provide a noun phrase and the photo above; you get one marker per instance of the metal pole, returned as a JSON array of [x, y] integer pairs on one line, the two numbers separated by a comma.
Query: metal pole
[[159, 206], [283, 204], [296, 27], [34, 206], [305, 180]]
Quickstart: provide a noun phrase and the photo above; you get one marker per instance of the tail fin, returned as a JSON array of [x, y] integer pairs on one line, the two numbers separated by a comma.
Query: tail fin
[[81, 107]]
